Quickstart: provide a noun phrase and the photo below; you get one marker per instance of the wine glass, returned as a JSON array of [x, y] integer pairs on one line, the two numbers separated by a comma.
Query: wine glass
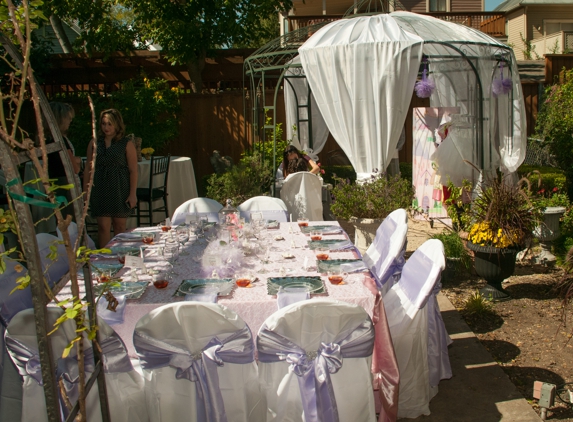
[[263, 252], [182, 236], [161, 279], [171, 253]]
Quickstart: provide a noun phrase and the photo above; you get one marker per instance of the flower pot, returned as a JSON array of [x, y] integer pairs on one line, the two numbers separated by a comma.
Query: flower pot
[[147, 156], [365, 231], [549, 230], [494, 265]]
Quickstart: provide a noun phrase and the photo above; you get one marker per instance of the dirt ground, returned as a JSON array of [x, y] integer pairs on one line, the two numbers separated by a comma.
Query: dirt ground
[[525, 335]]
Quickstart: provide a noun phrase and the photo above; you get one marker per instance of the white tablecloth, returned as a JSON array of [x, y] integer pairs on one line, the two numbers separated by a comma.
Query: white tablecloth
[[181, 184]]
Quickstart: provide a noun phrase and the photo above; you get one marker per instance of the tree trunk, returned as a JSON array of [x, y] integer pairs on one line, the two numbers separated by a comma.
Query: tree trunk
[[195, 67], [61, 35]]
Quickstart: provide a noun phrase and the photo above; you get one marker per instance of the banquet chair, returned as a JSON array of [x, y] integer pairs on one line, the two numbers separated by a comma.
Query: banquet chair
[[385, 256], [197, 206], [124, 385], [52, 269], [198, 364], [271, 208], [158, 170], [314, 360], [12, 303], [302, 195], [412, 319], [73, 231]]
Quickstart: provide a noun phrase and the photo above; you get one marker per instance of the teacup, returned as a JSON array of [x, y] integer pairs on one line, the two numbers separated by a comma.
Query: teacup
[[336, 277], [322, 254]]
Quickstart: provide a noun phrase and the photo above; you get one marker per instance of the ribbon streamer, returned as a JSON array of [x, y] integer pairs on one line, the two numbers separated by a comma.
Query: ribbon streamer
[[33, 201]]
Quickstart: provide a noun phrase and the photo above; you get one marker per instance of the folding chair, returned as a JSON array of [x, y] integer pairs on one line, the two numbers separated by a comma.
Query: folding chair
[[158, 166]]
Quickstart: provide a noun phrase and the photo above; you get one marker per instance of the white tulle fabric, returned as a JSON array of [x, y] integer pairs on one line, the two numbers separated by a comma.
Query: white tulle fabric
[[307, 324], [191, 325], [297, 95], [73, 231], [125, 390], [385, 256], [271, 208], [60, 265], [362, 73], [199, 206], [408, 319], [302, 195]]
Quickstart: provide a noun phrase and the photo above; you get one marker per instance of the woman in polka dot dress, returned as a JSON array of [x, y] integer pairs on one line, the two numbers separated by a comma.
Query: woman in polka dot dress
[[115, 179]]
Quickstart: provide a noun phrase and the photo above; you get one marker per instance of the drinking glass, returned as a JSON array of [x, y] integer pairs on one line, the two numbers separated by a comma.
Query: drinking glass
[[148, 238], [165, 227], [337, 277], [161, 279], [315, 235], [182, 236], [321, 253], [171, 253], [263, 252]]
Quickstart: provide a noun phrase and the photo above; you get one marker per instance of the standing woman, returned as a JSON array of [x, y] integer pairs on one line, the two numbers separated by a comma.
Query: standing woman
[[113, 195]]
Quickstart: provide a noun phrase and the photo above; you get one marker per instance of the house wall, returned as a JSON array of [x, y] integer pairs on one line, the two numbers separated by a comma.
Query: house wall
[[516, 25], [47, 32], [333, 7], [536, 15], [459, 6], [416, 6]]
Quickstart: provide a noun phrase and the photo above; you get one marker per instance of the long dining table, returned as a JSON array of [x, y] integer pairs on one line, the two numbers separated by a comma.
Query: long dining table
[[289, 256]]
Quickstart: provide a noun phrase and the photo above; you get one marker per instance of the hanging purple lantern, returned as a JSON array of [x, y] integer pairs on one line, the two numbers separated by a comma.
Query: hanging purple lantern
[[426, 86], [502, 85]]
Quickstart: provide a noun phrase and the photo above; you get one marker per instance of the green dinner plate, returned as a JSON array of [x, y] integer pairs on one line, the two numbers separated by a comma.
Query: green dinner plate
[[322, 229], [333, 264], [332, 244], [224, 285], [131, 289], [313, 283]]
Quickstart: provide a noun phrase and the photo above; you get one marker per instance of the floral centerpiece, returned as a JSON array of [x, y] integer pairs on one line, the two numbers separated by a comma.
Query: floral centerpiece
[[504, 218], [365, 204], [147, 152]]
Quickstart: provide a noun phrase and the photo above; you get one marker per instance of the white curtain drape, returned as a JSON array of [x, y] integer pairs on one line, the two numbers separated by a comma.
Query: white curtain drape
[[362, 73], [296, 95]]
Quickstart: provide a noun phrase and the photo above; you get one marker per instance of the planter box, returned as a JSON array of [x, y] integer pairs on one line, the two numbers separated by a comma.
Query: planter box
[[365, 231]]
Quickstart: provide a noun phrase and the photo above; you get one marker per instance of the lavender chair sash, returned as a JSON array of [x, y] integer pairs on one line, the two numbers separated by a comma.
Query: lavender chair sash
[[27, 360], [199, 367], [313, 368]]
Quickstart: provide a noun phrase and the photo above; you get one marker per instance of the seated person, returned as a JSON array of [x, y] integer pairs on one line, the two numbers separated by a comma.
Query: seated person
[[292, 153], [296, 165]]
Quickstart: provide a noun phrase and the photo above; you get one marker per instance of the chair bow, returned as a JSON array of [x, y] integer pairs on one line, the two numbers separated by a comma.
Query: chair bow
[[199, 367], [314, 368]]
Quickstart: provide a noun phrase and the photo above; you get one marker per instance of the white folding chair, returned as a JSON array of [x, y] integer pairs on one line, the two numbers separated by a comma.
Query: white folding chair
[[73, 231], [198, 364], [314, 361], [53, 269], [408, 319], [198, 206], [385, 256], [271, 208], [124, 384], [11, 304], [302, 195]]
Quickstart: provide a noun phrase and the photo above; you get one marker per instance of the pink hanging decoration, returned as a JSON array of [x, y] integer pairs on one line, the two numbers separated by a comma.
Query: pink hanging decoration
[[425, 87], [502, 85]]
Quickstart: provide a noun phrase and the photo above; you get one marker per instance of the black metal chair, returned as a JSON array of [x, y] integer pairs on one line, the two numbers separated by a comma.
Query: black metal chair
[[158, 166]]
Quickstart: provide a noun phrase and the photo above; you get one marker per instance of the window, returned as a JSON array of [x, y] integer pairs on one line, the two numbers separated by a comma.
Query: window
[[551, 27], [438, 5]]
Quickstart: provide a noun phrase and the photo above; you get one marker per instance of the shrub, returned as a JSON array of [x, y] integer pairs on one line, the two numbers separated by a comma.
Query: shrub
[[454, 248], [250, 177], [375, 198]]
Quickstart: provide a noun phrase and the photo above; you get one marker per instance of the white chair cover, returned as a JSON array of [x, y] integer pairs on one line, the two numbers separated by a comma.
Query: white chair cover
[[302, 195], [73, 231], [58, 267], [385, 256], [124, 385], [185, 349], [271, 208], [199, 206], [407, 315], [10, 386], [309, 335], [11, 304]]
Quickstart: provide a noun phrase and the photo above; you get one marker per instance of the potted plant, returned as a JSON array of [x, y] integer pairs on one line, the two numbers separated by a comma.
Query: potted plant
[[147, 153], [365, 204], [504, 218]]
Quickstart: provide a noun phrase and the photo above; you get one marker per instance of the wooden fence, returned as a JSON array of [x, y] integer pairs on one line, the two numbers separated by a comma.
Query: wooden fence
[[554, 65]]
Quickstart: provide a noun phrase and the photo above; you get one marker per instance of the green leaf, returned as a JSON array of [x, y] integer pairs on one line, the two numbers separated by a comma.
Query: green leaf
[[71, 313]]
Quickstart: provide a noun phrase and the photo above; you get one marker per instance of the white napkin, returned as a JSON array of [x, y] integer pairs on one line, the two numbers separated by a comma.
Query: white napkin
[[201, 297], [287, 298], [344, 244], [128, 236], [112, 317], [353, 267]]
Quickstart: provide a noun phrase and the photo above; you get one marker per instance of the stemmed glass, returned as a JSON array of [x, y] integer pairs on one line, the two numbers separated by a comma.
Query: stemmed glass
[[182, 235], [201, 224], [262, 252], [171, 253]]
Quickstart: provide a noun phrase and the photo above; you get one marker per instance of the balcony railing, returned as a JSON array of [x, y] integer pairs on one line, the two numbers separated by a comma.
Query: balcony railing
[[491, 23]]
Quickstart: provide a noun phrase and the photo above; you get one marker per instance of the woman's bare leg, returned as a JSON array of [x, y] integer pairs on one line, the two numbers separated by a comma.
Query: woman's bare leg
[[119, 225], [103, 230]]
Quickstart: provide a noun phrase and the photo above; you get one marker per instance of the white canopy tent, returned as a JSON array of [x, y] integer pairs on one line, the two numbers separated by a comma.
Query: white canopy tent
[[362, 70]]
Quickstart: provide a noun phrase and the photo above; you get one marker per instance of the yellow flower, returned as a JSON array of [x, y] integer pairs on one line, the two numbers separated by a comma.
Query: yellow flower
[[18, 268]]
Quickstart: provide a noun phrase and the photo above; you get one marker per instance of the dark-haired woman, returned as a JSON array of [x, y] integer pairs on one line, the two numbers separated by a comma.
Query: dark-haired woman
[[292, 153], [113, 195]]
